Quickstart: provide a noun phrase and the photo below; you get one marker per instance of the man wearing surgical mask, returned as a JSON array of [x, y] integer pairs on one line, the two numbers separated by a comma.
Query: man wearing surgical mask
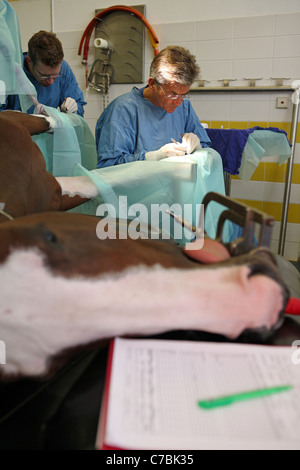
[[52, 77], [156, 121]]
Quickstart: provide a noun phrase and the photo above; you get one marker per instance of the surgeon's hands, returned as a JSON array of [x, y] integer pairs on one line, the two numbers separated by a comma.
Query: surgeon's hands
[[168, 150], [69, 106], [191, 142], [40, 110]]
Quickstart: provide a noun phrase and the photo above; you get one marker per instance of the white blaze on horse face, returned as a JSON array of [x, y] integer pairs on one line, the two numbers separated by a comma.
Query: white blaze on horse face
[[41, 314]]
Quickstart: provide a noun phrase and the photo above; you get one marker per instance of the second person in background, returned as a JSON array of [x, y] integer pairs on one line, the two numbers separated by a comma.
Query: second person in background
[[52, 77]]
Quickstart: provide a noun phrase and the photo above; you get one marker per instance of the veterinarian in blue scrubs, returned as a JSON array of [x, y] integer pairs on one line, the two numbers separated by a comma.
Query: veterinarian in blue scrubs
[[51, 76], [140, 125]]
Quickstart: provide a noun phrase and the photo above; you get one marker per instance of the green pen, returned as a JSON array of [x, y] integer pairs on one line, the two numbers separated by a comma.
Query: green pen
[[230, 399]]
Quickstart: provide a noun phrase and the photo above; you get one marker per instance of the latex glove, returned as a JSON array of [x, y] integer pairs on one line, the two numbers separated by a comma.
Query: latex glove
[[191, 142], [168, 150], [69, 106], [39, 109]]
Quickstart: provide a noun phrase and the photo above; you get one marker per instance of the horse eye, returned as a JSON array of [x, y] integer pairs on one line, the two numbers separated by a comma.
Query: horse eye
[[50, 237]]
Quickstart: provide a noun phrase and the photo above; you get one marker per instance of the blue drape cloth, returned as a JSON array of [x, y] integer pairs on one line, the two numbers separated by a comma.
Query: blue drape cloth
[[236, 145]]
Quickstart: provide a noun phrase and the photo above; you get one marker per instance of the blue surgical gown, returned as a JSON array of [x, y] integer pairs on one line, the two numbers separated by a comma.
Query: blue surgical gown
[[131, 126], [53, 95]]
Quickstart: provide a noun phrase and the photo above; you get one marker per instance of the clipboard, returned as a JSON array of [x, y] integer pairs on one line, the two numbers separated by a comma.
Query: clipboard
[[100, 440], [267, 423]]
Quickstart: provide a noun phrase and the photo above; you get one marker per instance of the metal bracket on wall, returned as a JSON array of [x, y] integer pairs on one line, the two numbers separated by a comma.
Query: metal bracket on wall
[[125, 34], [100, 74]]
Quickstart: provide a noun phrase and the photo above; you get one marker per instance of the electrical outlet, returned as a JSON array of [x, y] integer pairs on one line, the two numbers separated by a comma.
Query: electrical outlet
[[281, 102]]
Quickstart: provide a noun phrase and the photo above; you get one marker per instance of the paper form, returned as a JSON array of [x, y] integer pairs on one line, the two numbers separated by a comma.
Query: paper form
[[155, 386]]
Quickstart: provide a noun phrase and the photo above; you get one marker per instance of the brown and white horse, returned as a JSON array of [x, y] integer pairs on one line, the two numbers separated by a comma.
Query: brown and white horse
[[63, 288]]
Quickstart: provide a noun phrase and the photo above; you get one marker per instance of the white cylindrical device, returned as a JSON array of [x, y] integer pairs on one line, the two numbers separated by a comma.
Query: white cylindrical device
[[102, 43]]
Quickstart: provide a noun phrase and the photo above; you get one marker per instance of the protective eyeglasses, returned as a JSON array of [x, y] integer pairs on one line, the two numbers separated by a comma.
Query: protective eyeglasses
[[44, 77], [174, 96]]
